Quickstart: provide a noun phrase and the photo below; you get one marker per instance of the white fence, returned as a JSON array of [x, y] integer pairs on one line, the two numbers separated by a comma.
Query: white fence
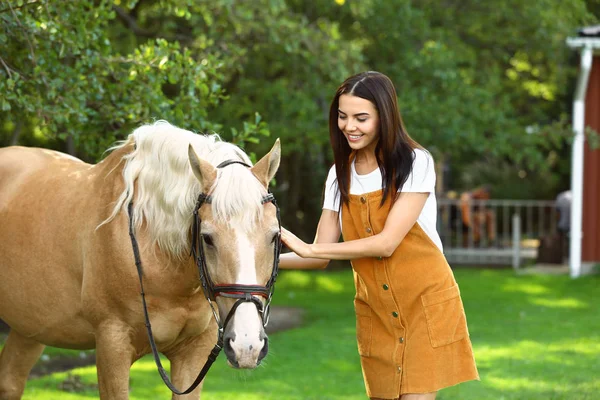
[[499, 231]]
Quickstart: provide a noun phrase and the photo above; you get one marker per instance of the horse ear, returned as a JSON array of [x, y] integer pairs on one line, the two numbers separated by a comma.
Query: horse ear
[[266, 168], [203, 170]]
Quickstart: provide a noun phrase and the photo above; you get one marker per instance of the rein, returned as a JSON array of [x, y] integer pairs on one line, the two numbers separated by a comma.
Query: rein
[[244, 293]]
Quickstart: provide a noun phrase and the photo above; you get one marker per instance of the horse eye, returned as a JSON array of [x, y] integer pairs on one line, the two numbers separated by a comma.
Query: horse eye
[[207, 239]]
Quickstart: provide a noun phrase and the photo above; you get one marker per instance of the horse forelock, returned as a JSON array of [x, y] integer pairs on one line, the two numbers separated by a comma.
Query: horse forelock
[[158, 177], [237, 196]]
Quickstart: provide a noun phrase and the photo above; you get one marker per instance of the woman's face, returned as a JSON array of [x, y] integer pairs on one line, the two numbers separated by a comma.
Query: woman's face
[[359, 122]]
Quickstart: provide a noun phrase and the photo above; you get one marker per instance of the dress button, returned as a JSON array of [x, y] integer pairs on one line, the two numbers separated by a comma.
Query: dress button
[[399, 369], [380, 258], [401, 340], [363, 200], [385, 287], [394, 314], [368, 230]]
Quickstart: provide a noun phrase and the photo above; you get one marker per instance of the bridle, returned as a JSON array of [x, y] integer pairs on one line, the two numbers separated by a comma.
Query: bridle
[[243, 293]]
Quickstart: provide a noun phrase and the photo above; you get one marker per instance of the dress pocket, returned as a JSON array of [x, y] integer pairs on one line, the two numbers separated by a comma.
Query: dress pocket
[[364, 327], [446, 321]]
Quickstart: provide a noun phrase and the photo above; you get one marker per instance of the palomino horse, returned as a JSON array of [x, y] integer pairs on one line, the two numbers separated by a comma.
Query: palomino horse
[[68, 273]]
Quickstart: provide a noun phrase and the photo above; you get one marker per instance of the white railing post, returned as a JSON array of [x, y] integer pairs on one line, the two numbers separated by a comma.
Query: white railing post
[[511, 223], [516, 239]]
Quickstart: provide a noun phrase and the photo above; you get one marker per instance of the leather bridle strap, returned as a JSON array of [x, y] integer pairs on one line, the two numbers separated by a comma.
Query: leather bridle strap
[[229, 162], [211, 290], [163, 374]]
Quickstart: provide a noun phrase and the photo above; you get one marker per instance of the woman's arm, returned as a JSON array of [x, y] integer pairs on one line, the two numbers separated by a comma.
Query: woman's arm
[[328, 231], [402, 217]]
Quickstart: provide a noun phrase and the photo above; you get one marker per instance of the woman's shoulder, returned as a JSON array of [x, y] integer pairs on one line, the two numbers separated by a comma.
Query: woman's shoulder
[[422, 161], [422, 157], [422, 174], [331, 174], [331, 177]]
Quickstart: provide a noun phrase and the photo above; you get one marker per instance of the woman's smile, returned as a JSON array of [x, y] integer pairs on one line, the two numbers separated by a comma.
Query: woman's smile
[[354, 137]]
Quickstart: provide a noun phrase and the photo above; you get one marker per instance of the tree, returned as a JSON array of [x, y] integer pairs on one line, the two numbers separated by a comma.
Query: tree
[[490, 83], [76, 76], [74, 79], [475, 79]]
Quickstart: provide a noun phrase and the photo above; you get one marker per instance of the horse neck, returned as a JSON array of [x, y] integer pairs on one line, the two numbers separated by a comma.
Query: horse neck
[[112, 166], [107, 180]]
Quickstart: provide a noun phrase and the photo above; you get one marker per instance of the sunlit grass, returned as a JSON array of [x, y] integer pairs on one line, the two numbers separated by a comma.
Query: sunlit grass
[[535, 337], [559, 303], [528, 288], [330, 284]]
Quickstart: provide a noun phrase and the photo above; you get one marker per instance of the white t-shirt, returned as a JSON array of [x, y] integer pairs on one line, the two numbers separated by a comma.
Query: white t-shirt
[[421, 180]]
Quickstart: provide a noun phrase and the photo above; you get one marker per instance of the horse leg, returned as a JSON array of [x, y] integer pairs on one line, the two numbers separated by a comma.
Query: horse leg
[[187, 360], [114, 356], [16, 360]]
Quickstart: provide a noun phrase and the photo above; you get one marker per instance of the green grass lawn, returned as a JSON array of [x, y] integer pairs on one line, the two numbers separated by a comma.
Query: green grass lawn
[[535, 337]]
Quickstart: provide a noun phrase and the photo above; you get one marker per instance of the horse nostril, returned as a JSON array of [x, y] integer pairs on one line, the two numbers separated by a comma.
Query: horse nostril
[[264, 351], [228, 348]]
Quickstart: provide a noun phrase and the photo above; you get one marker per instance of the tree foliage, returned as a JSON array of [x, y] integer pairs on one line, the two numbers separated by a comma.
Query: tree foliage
[[476, 80]]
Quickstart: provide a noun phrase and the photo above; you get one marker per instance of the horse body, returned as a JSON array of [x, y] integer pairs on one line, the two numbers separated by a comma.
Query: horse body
[[68, 277], [32, 185]]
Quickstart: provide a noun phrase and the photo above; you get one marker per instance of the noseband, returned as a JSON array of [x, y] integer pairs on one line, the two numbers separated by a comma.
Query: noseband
[[243, 293]]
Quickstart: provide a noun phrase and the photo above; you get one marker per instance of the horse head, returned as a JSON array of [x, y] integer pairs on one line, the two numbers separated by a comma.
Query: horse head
[[237, 239]]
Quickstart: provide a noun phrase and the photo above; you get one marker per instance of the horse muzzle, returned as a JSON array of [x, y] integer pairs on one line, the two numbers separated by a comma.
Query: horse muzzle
[[242, 352], [245, 342]]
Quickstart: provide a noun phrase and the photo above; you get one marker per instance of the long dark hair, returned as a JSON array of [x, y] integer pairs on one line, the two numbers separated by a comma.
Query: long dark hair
[[395, 148]]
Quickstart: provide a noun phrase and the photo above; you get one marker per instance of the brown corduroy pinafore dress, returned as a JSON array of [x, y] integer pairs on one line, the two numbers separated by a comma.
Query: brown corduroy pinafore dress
[[411, 326]]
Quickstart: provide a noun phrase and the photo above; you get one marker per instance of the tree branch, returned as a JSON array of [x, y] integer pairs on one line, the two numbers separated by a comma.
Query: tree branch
[[6, 67], [21, 6], [25, 33], [132, 23]]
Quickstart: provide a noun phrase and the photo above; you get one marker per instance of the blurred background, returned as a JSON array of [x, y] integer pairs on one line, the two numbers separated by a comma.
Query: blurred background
[[486, 86]]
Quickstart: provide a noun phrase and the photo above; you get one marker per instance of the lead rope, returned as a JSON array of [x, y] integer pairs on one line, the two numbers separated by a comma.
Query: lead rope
[[163, 374]]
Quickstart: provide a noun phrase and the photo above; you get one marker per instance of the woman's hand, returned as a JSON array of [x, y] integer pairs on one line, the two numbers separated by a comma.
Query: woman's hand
[[295, 244]]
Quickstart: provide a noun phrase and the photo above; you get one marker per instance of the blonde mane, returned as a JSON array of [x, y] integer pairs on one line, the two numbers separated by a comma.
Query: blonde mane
[[158, 177]]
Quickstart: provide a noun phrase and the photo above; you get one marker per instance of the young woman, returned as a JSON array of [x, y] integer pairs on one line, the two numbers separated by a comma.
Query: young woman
[[411, 327]]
